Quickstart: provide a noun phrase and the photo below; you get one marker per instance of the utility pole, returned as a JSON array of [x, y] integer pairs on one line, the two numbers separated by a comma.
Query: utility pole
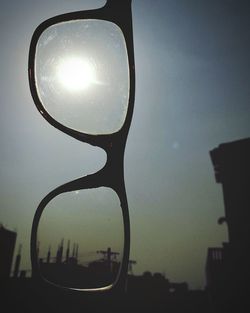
[[109, 256]]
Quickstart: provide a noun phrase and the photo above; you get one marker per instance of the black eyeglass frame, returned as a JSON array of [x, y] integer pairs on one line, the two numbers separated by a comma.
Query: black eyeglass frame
[[112, 174]]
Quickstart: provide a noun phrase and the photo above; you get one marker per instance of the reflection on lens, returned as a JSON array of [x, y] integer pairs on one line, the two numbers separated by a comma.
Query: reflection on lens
[[76, 74], [80, 239], [82, 75]]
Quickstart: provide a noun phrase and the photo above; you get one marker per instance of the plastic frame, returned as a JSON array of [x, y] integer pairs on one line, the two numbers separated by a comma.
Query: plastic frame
[[112, 174]]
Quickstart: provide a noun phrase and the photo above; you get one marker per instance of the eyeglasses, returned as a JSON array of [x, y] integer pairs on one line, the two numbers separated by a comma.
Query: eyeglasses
[[82, 80]]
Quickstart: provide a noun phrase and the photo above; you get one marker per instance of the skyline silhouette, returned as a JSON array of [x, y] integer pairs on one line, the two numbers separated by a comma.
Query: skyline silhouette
[[227, 267]]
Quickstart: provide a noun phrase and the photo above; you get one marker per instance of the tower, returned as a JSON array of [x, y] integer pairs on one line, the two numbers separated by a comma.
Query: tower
[[7, 246], [230, 285], [231, 163]]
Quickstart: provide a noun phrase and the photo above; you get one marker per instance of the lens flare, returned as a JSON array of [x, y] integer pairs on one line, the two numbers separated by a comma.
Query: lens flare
[[76, 74]]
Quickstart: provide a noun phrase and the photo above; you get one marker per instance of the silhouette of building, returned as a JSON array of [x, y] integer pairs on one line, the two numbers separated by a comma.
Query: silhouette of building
[[227, 268], [214, 266], [17, 263], [7, 246], [232, 169], [71, 271]]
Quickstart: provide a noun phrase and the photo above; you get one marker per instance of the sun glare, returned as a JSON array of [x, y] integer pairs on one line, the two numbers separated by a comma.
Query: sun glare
[[76, 74]]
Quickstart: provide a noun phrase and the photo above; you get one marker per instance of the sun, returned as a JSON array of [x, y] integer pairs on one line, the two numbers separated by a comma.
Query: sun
[[76, 74]]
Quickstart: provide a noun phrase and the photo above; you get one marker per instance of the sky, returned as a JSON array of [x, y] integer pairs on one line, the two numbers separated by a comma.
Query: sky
[[192, 94]]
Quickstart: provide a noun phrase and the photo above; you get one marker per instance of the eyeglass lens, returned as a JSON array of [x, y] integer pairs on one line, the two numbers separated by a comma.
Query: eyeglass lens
[[80, 239], [82, 75]]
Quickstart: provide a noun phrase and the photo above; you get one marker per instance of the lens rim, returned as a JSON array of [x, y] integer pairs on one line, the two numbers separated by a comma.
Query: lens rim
[[88, 182], [53, 98], [122, 17], [38, 241]]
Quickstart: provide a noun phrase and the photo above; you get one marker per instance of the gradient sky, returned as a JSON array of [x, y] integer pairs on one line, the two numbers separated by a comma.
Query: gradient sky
[[192, 93]]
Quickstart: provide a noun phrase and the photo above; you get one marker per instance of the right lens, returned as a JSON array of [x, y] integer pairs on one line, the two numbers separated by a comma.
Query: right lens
[[80, 239], [82, 75]]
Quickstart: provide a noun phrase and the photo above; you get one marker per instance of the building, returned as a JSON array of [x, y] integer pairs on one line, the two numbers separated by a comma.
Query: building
[[231, 163], [7, 246], [227, 268], [214, 265]]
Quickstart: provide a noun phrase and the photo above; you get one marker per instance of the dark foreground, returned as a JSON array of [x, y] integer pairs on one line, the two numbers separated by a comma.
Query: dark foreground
[[23, 295], [26, 296]]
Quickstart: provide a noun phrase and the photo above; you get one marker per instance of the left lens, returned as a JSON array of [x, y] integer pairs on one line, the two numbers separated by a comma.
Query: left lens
[[82, 75], [80, 239]]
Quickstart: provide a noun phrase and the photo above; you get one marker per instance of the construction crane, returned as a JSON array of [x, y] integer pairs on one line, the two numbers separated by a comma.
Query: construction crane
[[108, 254]]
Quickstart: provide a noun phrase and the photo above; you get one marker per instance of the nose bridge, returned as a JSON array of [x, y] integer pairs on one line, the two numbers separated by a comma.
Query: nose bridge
[[115, 160]]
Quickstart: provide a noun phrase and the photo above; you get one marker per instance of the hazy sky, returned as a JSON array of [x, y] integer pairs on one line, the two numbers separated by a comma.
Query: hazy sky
[[192, 93]]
